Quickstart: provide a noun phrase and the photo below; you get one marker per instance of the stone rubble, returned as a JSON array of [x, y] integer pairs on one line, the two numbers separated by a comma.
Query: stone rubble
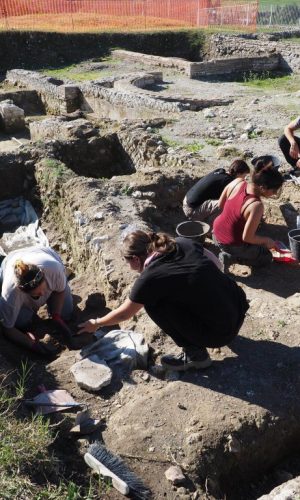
[[121, 347], [12, 118], [92, 373], [175, 475], [286, 491]]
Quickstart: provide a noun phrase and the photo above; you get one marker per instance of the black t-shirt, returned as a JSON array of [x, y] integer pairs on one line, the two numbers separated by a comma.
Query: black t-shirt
[[209, 187], [189, 281]]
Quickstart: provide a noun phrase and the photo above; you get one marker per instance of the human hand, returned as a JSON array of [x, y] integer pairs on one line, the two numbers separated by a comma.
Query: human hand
[[269, 243], [89, 326], [294, 151]]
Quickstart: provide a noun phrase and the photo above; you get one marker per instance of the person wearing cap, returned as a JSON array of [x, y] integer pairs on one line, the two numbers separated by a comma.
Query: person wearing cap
[[235, 229], [201, 201], [289, 144], [31, 277]]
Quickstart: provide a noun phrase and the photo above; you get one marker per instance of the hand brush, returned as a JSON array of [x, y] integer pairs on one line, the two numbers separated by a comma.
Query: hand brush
[[108, 465]]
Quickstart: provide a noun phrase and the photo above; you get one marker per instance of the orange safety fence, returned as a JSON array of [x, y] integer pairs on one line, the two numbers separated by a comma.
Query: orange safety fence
[[93, 15]]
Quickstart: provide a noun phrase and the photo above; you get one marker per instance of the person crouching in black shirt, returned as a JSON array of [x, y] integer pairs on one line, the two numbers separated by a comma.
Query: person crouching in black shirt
[[183, 292], [201, 201]]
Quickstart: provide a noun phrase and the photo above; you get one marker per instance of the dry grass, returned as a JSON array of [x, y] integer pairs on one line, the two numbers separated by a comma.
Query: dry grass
[[87, 22]]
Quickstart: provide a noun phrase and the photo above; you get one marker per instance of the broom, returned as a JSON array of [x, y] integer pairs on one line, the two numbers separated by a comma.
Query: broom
[[108, 465]]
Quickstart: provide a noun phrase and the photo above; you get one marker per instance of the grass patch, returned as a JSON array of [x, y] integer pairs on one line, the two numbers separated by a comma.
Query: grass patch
[[265, 4], [265, 81], [214, 142], [78, 73], [171, 143], [28, 469], [53, 171], [194, 147], [253, 135], [73, 73], [293, 39], [126, 190]]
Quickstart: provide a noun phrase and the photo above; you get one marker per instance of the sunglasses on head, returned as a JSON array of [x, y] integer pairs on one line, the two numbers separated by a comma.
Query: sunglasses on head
[[34, 283], [128, 257]]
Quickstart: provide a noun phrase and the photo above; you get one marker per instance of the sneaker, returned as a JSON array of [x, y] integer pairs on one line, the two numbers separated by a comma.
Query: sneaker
[[183, 361]]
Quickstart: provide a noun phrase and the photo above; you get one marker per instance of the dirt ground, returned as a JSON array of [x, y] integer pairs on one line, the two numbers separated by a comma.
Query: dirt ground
[[250, 396]]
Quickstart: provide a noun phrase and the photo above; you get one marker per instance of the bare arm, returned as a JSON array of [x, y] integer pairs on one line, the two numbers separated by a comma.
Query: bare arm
[[18, 337], [253, 215], [289, 134], [57, 302], [122, 313]]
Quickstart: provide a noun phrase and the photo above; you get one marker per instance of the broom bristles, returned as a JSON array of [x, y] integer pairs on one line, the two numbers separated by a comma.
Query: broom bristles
[[115, 464]]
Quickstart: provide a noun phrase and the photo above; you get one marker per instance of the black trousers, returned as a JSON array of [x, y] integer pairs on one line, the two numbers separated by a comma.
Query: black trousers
[[186, 329], [284, 145]]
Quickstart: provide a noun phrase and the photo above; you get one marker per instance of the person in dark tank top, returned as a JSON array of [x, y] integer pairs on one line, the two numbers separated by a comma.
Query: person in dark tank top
[[201, 201]]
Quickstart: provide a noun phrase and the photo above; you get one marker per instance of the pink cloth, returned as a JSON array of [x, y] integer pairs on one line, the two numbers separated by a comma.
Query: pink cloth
[[150, 257]]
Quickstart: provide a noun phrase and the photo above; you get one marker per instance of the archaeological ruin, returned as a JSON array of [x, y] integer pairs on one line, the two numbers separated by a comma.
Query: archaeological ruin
[[108, 141]]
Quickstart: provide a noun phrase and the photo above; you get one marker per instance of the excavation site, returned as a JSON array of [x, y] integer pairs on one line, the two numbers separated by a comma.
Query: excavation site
[[101, 137]]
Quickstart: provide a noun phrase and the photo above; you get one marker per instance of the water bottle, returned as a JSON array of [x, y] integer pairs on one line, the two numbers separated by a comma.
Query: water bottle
[[298, 221]]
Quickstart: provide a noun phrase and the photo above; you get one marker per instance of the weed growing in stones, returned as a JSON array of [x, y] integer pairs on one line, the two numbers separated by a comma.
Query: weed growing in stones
[[52, 172], [282, 323], [214, 142], [126, 190], [253, 135], [251, 76], [170, 142], [194, 147]]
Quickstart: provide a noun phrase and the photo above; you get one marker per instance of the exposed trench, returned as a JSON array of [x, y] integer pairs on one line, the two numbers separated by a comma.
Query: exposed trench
[[66, 180]]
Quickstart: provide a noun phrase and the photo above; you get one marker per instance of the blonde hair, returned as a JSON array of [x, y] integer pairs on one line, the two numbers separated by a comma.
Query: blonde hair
[[141, 243]]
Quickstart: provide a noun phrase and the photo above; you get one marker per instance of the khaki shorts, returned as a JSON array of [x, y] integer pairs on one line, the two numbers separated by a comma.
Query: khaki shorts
[[206, 212]]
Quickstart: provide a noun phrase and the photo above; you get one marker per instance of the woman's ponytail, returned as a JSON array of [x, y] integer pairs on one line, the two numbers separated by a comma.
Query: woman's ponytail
[[142, 243]]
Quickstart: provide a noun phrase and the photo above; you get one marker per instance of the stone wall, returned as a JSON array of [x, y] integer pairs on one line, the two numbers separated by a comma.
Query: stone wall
[[28, 100], [235, 66], [147, 149], [176, 63], [115, 104], [101, 98], [40, 49], [56, 97], [215, 67], [227, 46], [16, 174], [135, 147]]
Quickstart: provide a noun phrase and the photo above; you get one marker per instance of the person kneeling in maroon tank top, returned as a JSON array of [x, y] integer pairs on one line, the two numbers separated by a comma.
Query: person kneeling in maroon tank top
[[235, 229]]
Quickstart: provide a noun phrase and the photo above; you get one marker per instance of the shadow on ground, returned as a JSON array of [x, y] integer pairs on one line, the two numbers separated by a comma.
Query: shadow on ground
[[264, 373]]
